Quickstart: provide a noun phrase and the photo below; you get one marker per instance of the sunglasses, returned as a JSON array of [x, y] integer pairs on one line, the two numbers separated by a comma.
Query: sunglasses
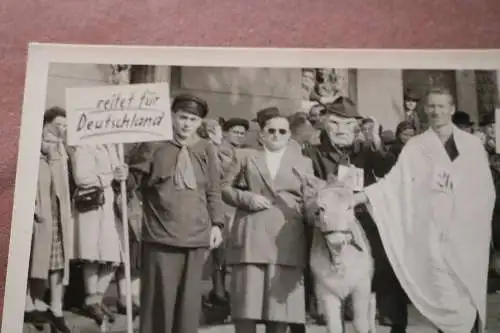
[[281, 131]]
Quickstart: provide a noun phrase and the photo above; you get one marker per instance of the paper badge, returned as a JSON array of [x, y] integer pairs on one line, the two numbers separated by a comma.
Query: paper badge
[[442, 180], [351, 176]]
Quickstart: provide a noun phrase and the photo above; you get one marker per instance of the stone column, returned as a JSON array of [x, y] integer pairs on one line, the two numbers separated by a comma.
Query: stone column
[[342, 76], [346, 82], [380, 95], [352, 89], [497, 76], [162, 74], [467, 93], [486, 91]]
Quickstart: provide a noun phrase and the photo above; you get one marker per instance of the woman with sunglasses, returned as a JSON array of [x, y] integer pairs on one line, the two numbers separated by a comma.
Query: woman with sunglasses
[[267, 247]]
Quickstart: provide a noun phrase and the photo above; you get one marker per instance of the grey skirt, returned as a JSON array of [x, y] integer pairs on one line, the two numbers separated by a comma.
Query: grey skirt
[[267, 292]]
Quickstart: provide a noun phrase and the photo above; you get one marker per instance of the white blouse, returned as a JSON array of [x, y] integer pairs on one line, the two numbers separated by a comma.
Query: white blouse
[[273, 161]]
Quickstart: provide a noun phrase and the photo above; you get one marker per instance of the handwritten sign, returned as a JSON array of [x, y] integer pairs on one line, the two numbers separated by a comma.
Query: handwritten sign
[[118, 114]]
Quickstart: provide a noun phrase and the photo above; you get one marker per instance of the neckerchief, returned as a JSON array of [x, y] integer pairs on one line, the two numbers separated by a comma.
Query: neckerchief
[[184, 177]]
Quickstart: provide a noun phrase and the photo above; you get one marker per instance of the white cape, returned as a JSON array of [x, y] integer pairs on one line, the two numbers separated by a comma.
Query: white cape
[[438, 241]]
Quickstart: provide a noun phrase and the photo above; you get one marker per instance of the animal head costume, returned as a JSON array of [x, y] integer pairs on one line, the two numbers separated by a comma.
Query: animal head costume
[[329, 207]]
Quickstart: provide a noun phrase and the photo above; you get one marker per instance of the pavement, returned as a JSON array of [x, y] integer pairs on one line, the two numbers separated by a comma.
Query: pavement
[[417, 323]]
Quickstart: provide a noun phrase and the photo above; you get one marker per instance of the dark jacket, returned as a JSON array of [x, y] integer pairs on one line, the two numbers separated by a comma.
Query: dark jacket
[[495, 171], [179, 217], [326, 159], [396, 148]]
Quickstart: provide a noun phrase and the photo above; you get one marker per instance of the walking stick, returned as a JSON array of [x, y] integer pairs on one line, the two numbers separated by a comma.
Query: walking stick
[[128, 278]]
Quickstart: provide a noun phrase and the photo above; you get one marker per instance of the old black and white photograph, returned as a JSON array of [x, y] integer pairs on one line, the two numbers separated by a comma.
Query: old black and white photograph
[[185, 198]]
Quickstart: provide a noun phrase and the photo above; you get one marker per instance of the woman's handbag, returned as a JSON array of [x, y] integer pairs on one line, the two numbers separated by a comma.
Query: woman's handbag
[[87, 199]]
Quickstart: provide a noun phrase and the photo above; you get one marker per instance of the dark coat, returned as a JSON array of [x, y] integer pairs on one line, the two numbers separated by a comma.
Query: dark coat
[[495, 170], [396, 148], [326, 159]]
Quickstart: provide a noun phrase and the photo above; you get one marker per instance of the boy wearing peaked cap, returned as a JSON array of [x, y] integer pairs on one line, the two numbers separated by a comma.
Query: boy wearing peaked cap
[[180, 173]]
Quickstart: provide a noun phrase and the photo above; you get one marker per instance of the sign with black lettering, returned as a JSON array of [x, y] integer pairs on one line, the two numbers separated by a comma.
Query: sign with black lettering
[[118, 114]]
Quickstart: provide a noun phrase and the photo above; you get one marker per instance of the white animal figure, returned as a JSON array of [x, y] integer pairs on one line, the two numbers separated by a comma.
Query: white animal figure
[[341, 259]]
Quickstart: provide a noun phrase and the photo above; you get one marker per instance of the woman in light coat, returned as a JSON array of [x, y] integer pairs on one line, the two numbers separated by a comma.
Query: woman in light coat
[[98, 233], [267, 246], [52, 241]]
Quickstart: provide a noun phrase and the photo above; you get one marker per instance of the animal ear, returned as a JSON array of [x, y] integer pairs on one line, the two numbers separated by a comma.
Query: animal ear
[[309, 183]]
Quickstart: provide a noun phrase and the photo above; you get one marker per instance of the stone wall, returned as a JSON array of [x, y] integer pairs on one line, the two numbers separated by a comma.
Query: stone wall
[[380, 95], [62, 76], [240, 92], [243, 91]]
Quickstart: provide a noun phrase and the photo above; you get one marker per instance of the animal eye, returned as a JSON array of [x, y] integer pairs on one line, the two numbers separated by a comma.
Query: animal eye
[[319, 211]]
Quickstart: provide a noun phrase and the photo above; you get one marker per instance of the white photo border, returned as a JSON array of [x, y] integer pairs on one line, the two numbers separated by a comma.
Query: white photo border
[[41, 55]]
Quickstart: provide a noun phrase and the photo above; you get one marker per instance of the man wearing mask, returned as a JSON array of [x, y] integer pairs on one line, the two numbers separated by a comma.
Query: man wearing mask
[[182, 173], [336, 153]]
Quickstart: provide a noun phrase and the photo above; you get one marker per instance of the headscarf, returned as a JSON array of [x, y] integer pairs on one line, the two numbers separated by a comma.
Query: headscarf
[[53, 146]]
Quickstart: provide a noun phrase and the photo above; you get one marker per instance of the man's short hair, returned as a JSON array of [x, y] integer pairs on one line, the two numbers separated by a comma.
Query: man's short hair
[[208, 126], [365, 121], [440, 90], [297, 120]]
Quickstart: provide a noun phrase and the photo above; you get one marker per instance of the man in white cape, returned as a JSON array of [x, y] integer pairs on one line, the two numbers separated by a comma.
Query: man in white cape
[[433, 211]]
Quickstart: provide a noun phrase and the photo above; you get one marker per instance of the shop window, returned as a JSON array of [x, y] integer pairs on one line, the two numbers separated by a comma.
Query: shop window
[[326, 84], [487, 92], [142, 74], [419, 81]]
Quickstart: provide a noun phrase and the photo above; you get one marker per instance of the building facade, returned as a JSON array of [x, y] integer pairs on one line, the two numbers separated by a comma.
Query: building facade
[[243, 91]]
